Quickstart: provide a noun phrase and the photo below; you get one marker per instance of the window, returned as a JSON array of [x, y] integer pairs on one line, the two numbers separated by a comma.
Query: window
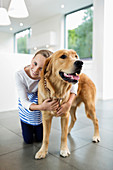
[[79, 29], [21, 39]]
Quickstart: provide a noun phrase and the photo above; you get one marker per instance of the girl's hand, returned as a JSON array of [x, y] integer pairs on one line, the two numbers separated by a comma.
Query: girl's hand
[[49, 105], [63, 108]]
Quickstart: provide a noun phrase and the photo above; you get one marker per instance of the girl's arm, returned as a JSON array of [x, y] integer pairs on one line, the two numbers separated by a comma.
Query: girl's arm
[[46, 105], [22, 90]]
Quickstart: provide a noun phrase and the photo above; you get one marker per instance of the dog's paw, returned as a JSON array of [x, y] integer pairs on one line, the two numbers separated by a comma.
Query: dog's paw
[[69, 130], [68, 133], [96, 139], [65, 153], [41, 154]]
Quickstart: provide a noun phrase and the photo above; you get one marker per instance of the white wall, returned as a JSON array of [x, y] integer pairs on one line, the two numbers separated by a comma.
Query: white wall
[[51, 24], [108, 50], [6, 42], [9, 64], [98, 39], [103, 48]]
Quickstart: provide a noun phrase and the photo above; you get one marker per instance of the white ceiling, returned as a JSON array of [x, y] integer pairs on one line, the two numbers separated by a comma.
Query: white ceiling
[[40, 10]]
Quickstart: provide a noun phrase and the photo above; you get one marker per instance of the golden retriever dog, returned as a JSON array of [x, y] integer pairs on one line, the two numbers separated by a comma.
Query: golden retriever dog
[[59, 72]]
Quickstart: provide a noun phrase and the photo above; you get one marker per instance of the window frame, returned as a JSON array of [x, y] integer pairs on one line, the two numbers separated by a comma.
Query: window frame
[[65, 36]]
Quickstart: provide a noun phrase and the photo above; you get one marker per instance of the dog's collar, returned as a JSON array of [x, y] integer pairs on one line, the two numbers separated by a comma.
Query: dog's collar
[[48, 90]]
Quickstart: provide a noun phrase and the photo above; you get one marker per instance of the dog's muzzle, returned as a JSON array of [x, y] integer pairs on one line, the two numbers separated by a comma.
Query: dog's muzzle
[[72, 77], [78, 66]]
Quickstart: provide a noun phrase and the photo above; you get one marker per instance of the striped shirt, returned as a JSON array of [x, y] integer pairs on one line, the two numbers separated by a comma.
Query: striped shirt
[[30, 117], [27, 91]]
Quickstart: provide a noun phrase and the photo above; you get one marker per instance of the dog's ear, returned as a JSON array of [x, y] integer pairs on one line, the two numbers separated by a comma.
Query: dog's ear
[[47, 68]]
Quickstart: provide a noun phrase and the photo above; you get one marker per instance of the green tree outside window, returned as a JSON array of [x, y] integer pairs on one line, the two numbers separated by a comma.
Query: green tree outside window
[[21, 39], [22, 45], [80, 38]]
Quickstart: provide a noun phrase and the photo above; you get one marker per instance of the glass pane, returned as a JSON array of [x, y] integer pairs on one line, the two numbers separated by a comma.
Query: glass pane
[[79, 28], [21, 40]]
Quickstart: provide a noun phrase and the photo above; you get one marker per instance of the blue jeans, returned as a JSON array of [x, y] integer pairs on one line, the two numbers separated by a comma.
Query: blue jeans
[[32, 133]]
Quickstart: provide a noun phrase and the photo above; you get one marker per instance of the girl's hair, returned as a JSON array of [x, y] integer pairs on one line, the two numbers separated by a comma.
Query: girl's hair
[[45, 53]]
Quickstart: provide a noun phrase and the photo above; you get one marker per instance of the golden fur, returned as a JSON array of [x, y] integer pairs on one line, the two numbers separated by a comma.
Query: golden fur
[[52, 85]]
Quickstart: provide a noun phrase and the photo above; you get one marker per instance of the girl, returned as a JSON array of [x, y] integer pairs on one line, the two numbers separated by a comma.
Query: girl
[[29, 111]]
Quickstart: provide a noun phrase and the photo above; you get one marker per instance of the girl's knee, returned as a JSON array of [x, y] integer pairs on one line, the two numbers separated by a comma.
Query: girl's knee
[[28, 141], [39, 133]]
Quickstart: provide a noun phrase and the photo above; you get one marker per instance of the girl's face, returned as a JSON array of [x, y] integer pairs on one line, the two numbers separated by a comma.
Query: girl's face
[[36, 66]]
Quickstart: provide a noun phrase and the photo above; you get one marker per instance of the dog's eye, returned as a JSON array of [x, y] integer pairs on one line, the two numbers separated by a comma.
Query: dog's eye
[[63, 56], [76, 56]]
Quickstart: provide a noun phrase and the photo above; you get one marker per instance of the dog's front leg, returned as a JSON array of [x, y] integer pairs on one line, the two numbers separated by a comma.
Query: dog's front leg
[[64, 151], [46, 132]]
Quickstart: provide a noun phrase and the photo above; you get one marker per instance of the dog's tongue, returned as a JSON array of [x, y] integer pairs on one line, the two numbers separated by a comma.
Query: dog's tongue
[[75, 77]]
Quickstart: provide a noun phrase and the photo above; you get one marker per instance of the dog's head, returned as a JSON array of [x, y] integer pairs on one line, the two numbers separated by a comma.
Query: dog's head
[[63, 64]]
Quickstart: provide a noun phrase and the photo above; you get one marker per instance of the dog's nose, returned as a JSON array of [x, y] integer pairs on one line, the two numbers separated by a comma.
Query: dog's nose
[[78, 63]]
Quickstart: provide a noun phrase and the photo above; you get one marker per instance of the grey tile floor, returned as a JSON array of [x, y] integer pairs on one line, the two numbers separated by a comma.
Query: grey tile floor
[[85, 155]]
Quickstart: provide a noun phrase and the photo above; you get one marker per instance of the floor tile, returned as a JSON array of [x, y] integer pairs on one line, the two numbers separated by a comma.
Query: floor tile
[[106, 124], [81, 122], [13, 124], [9, 141], [24, 160], [72, 141], [86, 133], [8, 114], [91, 157], [106, 139]]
